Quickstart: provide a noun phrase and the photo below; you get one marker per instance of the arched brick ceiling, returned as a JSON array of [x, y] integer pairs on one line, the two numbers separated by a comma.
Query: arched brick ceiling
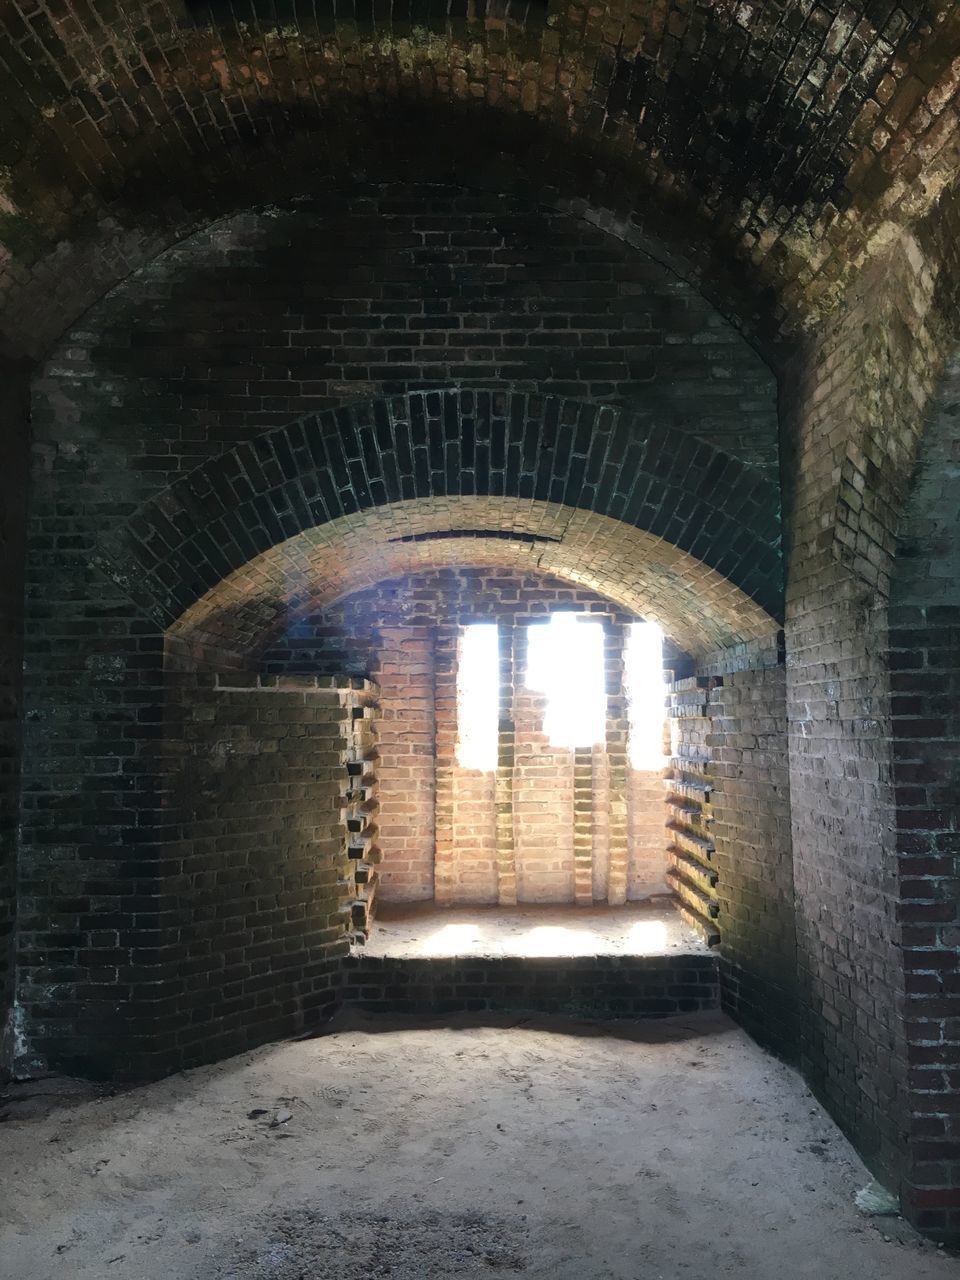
[[771, 138], [299, 515], [698, 608]]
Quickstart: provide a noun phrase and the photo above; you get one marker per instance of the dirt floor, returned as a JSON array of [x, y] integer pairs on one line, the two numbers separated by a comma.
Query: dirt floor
[[651, 927], [661, 1151]]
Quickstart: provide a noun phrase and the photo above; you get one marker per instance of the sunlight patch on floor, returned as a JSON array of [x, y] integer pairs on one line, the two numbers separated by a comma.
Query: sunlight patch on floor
[[648, 928]]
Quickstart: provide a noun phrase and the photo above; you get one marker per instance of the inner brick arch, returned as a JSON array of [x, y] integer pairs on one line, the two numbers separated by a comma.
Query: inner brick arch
[[219, 561], [623, 572], [598, 491], [698, 608]]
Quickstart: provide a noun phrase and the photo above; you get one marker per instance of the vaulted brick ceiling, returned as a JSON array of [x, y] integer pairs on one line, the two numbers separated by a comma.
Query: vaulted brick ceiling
[[763, 143]]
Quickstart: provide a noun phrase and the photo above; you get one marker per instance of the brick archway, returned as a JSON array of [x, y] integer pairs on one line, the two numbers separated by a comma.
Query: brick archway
[[666, 526], [605, 109]]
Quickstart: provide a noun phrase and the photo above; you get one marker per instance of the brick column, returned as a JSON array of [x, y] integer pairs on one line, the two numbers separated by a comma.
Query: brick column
[[407, 772], [583, 802], [445, 704], [360, 804], [511, 658], [617, 759], [692, 874]]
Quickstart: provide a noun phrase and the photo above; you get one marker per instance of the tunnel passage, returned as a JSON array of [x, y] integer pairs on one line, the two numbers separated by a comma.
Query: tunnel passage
[[566, 211]]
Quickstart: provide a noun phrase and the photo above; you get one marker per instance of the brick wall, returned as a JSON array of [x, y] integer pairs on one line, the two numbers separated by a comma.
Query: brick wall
[[404, 666], [924, 639], [371, 292], [854, 405], [584, 986], [543, 813], [645, 817], [405, 632], [13, 499], [729, 821], [750, 827], [469, 825], [673, 119], [259, 886], [254, 891]]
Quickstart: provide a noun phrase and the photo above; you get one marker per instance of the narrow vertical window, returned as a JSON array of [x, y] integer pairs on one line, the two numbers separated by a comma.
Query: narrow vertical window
[[565, 662], [646, 693], [478, 696]]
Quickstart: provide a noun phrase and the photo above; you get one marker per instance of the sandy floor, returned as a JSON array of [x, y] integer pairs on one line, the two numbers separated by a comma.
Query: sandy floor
[[640, 929], [666, 1151]]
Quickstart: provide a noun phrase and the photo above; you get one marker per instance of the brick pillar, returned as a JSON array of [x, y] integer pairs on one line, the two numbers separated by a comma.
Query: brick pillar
[[359, 799], [617, 760], [511, 640], [445, 703], [583, 802], [692, 874], [407, 769]]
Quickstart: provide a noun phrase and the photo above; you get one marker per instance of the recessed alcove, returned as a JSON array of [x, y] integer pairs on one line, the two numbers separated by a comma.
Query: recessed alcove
[[522, 749], [639, 960], [651, 927]]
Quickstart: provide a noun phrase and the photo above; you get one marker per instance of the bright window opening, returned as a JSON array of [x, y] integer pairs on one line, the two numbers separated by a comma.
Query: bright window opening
[[478, 697], [643, 662], [565, 662]]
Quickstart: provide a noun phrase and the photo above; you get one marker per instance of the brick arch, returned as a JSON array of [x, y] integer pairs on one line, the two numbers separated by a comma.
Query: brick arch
[[695, 111], [485, 147], [668, 524], [698, 608], [898, 330]]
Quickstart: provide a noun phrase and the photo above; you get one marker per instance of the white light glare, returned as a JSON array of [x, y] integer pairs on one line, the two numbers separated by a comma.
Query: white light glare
[[565, 662], [643, 660], [478, 696]]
